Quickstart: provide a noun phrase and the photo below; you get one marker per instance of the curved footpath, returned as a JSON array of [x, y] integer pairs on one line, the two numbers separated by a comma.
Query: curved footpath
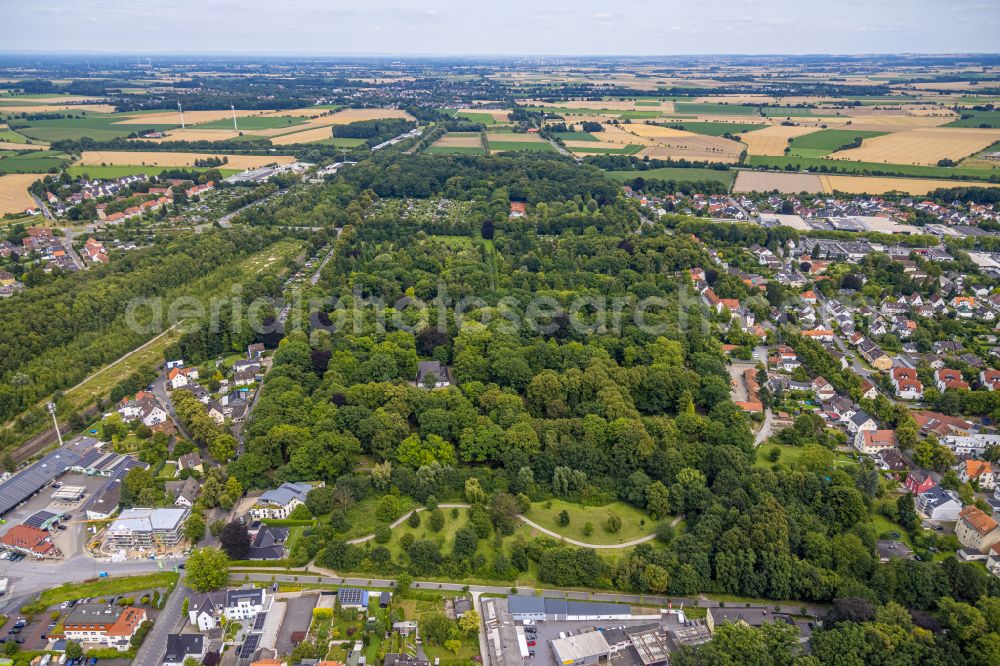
[[526, 521]]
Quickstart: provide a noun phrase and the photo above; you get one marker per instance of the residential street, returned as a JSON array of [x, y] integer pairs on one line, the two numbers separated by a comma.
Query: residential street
[[155, 646]]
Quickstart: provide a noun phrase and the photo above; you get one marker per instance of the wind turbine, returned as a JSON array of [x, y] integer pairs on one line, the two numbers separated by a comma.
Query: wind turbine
[[180, 111], [233, 108]]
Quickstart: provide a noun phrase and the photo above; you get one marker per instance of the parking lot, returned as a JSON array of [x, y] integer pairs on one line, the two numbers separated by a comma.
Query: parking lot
[[298, 615], [550, 630], [73, 539]]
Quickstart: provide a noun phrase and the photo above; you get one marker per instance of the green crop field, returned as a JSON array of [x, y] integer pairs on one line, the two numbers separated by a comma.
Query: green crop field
[[676, 173], [978, 119], [38, 162], [786, 111], [98, 171], [630, 149], [100, 127], [822, 165], [715, 109], [340, 142], [13, 137], [575, 136], [714, 129], [253, 123], [535, 146], [825, 142], [484, 118]]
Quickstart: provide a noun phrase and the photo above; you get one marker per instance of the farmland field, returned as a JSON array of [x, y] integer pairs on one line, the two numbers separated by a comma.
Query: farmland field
[[14, 196], [979, 118], [166, 159], [922, 146], [575, 136], [876, 185], [458, 143], [478, 117], [504, 146], [32, 162], [253, 123], [824, 142], [664, 142], [787, 183], [97, 127], [772, 140], [599, 148], [714, 129], [843, 166], [97, 171], [714, 109], [676, 173]]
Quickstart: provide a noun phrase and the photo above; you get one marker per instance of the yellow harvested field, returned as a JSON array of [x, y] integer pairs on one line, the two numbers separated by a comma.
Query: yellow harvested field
[[772, 140], [189, 134], [668, 143], [511, 136], [4, 145], [305, 136], [767, 181], [500, 115], [892, 123], [190, 117], [934, 111], [347, 116], [14, 197], [610, 105], [45, 108], [874, 185], [922, 146], [152, 158], [656, 131], [459, 140], [306, 112]]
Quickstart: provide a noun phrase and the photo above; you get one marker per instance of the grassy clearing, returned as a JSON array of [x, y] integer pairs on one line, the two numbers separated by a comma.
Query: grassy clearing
[[168, 471], [362, 519], [791, 456], [676, 173], [818, 164], [714, 129], [635, 523], [102, 587]]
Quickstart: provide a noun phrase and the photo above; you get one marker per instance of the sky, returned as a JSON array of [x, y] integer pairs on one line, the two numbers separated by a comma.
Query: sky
[[501, 27]]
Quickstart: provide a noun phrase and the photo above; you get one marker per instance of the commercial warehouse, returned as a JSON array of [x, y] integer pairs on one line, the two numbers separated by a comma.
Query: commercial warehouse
[[26, 483], [524, 607]]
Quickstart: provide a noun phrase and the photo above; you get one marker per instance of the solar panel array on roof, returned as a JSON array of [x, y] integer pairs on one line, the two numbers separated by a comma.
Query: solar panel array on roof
[[39, 519], [249, 646], [23, 485], [258, 623], [350, 596]]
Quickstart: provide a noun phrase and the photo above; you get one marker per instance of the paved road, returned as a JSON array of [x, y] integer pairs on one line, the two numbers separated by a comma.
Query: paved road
[[155, 646], [766, 428], [325, 577]]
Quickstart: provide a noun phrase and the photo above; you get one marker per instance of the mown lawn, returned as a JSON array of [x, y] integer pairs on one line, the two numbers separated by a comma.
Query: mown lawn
[[635, 523]]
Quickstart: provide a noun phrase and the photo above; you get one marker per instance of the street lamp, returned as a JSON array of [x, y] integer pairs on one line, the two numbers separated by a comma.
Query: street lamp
[[52, 410]]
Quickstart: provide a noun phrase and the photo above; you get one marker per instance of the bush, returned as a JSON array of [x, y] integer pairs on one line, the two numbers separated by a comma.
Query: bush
[[383, 534], [414, 520]]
